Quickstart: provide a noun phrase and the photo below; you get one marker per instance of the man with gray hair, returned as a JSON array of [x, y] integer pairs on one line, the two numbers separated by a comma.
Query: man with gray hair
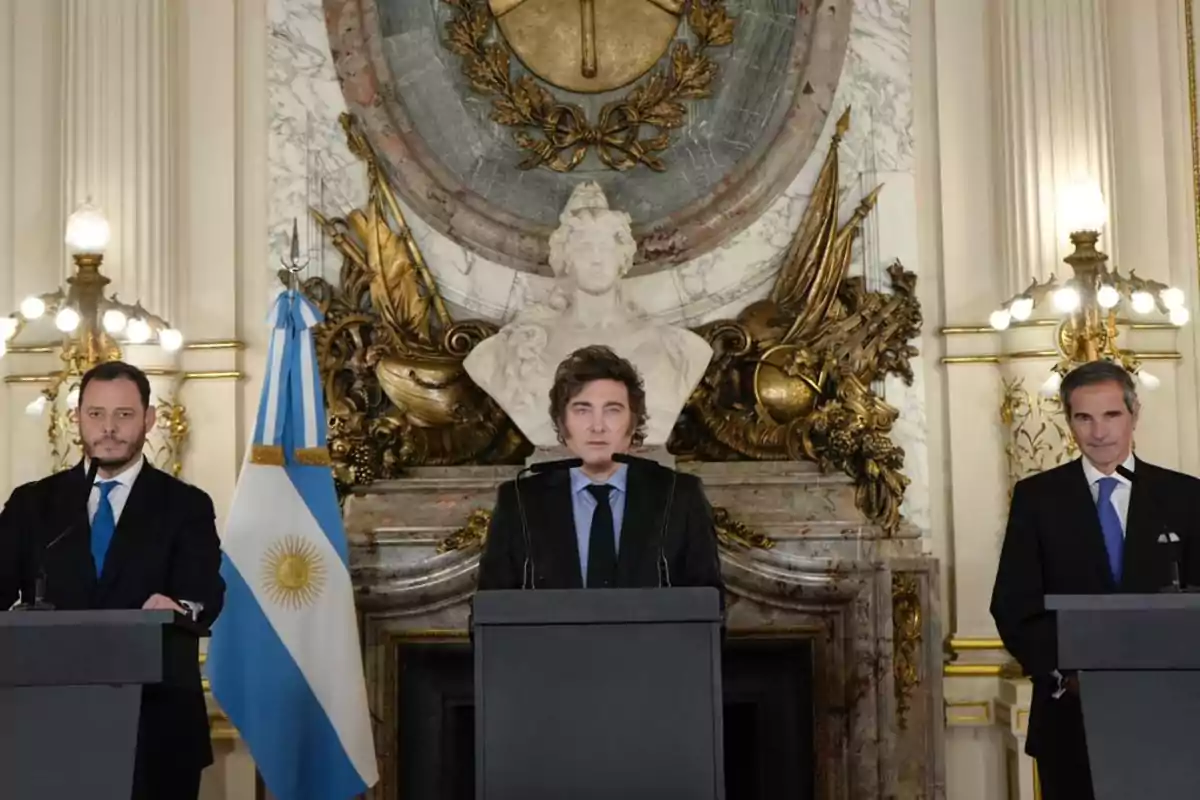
[[1086, 527]]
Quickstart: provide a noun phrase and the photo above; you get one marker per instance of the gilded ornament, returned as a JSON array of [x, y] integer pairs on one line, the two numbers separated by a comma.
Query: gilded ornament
[[1038, 436], [732, 533], [791, 377], [471, 535], [390, 356], [585, 46]]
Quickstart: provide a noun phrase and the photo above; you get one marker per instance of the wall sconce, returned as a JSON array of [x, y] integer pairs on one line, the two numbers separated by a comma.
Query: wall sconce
[[89, 320], [1090, 300]]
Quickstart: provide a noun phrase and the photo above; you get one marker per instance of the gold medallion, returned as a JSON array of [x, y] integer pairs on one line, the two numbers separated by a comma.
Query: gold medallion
[[588, 45]]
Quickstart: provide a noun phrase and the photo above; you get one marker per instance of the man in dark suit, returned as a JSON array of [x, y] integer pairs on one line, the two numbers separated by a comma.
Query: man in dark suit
[[142, 540], [599, 524], [1090, 526]]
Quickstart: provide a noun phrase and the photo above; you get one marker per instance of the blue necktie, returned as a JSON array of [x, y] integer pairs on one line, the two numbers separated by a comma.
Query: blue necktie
[[104, 524], [1110, 526]]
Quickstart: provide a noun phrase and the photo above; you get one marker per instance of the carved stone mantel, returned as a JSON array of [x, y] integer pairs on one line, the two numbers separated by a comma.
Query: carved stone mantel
[[866, 602]]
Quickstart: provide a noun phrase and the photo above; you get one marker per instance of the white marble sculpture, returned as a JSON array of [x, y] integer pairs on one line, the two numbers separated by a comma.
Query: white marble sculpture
[[590, 252]]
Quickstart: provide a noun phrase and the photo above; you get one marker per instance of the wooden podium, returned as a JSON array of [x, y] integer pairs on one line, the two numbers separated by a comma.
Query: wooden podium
[[598, 693], [1139, 662], [70, 695]]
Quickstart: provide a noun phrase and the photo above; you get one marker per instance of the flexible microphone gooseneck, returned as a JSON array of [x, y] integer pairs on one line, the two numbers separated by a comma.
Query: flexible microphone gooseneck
[[528, 579], [39, 581], [664, 568]]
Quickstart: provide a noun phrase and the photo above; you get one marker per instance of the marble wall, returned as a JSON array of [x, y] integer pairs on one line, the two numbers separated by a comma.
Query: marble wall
[[310, 165]]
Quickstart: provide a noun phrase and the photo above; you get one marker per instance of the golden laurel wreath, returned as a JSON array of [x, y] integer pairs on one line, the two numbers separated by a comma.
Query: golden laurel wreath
[[549, 129]]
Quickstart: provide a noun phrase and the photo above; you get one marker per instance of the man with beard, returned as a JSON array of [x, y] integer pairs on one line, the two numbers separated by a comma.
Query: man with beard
[[142, 540]]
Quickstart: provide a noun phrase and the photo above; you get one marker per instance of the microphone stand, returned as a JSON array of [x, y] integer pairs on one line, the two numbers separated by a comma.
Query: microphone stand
[[40, 603]]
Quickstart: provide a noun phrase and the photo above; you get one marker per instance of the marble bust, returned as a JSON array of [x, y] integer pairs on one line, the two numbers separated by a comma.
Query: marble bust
[[590, 252]]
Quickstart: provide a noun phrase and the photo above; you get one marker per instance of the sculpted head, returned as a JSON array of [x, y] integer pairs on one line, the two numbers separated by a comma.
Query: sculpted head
[[1101, 404], [598, 406], [593, 245]]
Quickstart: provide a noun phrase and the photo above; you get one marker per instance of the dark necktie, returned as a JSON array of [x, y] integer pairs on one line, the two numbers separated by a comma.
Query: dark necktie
[[602, 541], [1110, 526]]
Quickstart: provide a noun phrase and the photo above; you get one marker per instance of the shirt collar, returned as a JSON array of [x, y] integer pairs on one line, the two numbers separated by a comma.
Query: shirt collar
[[126, 478], [617, 480], [1093, 475]]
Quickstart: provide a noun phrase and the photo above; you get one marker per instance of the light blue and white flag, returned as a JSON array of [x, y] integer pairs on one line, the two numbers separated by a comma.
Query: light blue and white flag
[[284, 661]]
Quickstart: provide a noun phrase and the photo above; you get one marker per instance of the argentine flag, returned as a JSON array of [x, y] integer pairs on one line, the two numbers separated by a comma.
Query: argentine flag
[[284, 660]]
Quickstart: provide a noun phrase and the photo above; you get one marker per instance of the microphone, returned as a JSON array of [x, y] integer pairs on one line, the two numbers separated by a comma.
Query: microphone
[[554, 466], [1172, 544], [528, 579], [664, 568], [1126, 473], [39, 586], [626, 458]]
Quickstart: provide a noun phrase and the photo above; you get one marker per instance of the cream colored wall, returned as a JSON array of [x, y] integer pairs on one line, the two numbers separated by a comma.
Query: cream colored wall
[[1110, 95]]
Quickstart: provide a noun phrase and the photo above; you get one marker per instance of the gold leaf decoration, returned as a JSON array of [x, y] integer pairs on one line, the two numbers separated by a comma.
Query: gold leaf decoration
[[791, 377], [558, 135]]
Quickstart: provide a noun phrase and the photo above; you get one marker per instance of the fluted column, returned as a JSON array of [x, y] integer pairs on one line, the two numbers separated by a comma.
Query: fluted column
[[1053, 107], [119, 138]]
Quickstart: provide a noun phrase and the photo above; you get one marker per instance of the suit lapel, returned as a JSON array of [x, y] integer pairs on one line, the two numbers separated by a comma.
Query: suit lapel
[[134, 522], [1095, 551], [73, 552], [1141, 529], [638, 523], [554, 519]]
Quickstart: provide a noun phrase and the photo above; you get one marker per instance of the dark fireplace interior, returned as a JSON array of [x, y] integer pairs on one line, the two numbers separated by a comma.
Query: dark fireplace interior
[[768, 715]]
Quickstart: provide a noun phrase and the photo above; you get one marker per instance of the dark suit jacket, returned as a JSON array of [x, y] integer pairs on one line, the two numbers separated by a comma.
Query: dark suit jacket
[[1054, 545], [690, 544], [165, 543]]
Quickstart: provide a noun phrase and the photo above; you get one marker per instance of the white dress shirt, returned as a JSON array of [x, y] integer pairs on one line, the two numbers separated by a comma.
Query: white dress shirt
[[1120, 495], [118, 495]]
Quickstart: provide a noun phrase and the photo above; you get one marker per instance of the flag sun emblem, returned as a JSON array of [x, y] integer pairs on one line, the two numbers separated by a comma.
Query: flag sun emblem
[[293, 572]]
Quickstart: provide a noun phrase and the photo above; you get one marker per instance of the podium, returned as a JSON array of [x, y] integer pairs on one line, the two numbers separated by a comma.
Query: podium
[[598, 693], [70, 695], [1139, 683]]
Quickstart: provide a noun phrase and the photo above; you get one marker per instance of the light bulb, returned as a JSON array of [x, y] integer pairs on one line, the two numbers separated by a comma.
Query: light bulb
[[73, 398], [114, 320], [37, 406], [1021, 308], [32, 307], [999, 319], [1148, 381], [1051, 385], [8, 328], [1081, 207], [1142, 302], [170, 339], [1179, 316], [1172, 298], [87, 230], [1107, 296], [1066, 299], [67, 319], [137, 331]]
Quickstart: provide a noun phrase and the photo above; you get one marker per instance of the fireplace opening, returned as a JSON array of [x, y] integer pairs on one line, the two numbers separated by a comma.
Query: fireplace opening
[[768, 720]]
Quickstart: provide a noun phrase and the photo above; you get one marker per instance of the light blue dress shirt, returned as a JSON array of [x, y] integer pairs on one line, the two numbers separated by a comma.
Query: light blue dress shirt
[[583, 504]]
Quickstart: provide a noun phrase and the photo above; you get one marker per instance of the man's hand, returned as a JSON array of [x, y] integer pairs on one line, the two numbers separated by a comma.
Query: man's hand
[[1071, 684], [160, 602]]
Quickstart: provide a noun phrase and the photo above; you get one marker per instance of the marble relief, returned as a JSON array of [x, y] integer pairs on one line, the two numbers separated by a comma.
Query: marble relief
[[309, 164]]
